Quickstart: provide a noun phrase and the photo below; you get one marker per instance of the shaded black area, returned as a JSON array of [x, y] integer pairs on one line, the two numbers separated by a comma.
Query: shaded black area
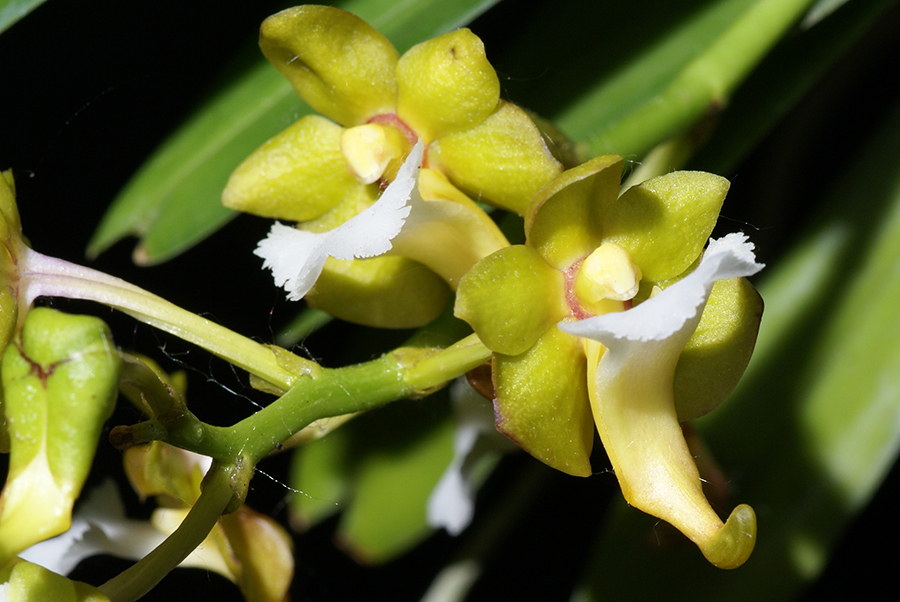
[[90, 89]]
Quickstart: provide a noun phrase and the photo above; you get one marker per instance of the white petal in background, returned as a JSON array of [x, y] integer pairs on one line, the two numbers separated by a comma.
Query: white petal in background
[[98, 527], [296, 257], [452, 502]]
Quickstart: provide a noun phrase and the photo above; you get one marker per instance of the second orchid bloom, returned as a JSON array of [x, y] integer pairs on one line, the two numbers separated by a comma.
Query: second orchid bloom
[[596, 320]]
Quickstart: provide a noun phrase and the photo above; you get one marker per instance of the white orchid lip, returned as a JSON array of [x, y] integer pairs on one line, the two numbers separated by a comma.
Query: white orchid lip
[[296, 257], [632, 399], [672, 310]]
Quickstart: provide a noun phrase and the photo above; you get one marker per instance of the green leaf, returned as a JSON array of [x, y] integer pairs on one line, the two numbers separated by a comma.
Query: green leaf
[[59, 382], [14, 10], [657, 68], [702, 85], [414, 448], [379, 470], [781, 80], [811, 442], [173, 202]]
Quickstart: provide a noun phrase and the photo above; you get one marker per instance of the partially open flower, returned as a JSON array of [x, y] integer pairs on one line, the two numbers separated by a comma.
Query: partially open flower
[[593, 259], [442, 92], [59, 382], [246, 547]]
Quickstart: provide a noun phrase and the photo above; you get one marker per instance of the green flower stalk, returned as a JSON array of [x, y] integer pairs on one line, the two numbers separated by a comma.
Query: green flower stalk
[[26, 275], [246, 547]]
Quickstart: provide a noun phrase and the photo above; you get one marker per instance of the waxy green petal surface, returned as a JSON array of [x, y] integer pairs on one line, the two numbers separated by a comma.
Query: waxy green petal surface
[[503, 161], [10, 239], [718, 352], [542, 402], [339, 64], [10, 235], [511, 298], [298, 175], [665, 222], [446, 84], [27, 582], [565, 220], [385, 292]]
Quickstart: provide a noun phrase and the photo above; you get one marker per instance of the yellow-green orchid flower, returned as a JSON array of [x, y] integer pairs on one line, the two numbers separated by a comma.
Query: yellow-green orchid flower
[[59, 376], [591, 270], [376, 106]]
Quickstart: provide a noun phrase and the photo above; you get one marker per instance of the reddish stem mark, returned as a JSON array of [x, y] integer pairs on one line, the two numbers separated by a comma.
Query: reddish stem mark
[[36, 368]]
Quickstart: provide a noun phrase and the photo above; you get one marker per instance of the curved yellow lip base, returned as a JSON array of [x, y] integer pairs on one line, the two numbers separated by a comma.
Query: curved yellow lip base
[[732, 545], [635, 415]]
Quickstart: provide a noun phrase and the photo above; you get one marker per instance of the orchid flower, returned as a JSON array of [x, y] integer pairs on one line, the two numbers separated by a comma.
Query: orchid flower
[[621, 268], [442, 91], [322, 171]]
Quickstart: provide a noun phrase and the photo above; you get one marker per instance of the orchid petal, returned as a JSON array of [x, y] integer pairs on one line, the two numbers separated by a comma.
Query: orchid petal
[[452, 502], [446, 85], [447, 231], [383, 292], [664, 222], [502, 161], [511, 298], [339, 64], [564, 221], [298, 175], [633, 403], [541, 402], [296, 257]]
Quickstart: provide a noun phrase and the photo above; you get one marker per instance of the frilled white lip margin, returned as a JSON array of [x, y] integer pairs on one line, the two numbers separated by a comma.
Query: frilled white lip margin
[[632, 399], [676, 309], [296, 257]]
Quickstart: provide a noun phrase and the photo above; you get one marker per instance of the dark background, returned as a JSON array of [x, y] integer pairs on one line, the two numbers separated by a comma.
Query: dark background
[[89, 89]]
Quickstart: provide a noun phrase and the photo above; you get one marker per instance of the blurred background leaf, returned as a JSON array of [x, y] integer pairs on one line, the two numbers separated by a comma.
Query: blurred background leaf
[[13, 10], [379, 471]]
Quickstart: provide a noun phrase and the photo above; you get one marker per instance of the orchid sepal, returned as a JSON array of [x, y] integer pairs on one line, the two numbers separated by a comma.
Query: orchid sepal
[[339, 64]]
